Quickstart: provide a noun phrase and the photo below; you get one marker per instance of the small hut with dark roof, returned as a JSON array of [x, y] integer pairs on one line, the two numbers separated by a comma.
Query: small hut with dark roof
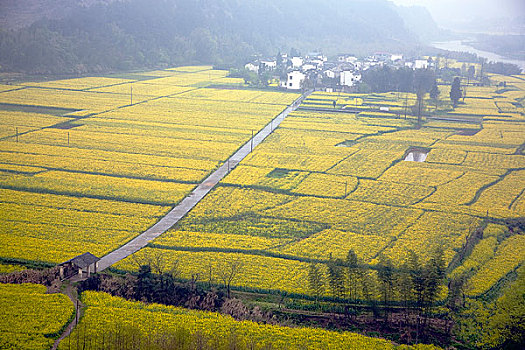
[[86, 263]]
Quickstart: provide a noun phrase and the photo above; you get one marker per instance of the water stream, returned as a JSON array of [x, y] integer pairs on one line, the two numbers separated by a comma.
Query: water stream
[[458, 45]]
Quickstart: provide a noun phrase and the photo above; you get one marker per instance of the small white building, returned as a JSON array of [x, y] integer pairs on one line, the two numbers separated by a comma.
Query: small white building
[[297, 62], [396, 57], [252, 67], [347, 59], [308, 66], [295, 80], [421, 64], [349, 78], [330, 74], [318, 62]]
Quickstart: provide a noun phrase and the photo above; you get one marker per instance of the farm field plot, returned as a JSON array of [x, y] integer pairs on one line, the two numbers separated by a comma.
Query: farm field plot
[[31, 319], [85, 167], [326, 182], [107, 317]]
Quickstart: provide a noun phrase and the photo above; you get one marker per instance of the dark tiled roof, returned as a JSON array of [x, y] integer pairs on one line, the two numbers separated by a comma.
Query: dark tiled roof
[[83, 260]]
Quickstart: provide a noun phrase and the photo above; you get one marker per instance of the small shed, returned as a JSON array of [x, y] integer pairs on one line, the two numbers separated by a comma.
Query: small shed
[[86, 264]]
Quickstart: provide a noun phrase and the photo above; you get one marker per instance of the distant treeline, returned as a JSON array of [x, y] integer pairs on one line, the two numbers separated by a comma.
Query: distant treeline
[[512, 46], [139, 34]]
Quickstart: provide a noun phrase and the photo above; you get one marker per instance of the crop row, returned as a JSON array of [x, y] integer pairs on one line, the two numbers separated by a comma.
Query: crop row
[[30, 318], [108, 316]]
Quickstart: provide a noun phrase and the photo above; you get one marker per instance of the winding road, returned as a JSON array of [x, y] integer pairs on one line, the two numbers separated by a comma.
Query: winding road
[[188, 203]]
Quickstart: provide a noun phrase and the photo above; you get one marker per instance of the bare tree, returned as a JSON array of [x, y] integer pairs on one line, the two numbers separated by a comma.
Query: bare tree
[[155, 258], [228, 272]]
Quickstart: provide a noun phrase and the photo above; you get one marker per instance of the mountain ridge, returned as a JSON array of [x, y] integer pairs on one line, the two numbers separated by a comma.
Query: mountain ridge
[[90, 36]]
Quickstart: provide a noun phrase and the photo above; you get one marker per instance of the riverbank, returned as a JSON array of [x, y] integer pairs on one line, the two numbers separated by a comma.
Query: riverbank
[[458, 45]]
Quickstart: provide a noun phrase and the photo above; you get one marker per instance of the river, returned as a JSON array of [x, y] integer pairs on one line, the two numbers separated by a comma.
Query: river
[[457, 45]]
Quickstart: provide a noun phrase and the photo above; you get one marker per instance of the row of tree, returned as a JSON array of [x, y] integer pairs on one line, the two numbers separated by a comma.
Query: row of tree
[[413, 288]]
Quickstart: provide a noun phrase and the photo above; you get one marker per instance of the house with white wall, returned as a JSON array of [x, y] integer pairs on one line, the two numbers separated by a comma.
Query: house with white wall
[[252, 67], [421, 64], [308, 66], [349, 78], [396, 57], [295, 80], [297, 62], [346, 59]]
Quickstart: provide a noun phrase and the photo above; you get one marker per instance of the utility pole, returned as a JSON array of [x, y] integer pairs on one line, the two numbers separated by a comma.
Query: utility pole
[[68, 138], [406, 104], [346, 188]]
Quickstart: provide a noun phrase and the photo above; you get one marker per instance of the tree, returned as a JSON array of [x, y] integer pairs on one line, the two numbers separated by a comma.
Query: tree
[[385, 275], [417, 280], [336, 277], [368, 288], [455, 91], [423, 81], [279, 60], [155, 259], [404, 287], [228, 272], [434, 94], [471, 72], [315, 281], [352, 265], [145, 284], [433, 275]]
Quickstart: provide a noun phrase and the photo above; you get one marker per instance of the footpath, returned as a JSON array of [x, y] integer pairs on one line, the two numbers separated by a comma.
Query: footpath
[[189, 202]]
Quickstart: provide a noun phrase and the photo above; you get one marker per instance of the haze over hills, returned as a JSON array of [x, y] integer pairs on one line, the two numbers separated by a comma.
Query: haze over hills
[[43, 36], [479, 16]]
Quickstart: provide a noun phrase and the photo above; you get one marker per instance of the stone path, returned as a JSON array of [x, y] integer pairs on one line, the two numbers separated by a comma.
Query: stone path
[[197, 195], [79, 306]]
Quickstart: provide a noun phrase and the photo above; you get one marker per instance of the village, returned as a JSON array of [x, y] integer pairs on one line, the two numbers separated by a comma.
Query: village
[[316, 71]]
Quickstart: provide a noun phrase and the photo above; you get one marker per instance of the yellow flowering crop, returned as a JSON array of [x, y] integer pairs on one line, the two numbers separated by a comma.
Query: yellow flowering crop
[[79, 83], [509, 255], [178, 238], [337, 243], [106, 314], [390, 193], [30, 318]]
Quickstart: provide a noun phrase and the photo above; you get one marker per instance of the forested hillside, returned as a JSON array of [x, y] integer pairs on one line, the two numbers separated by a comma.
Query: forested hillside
[[102, 36]]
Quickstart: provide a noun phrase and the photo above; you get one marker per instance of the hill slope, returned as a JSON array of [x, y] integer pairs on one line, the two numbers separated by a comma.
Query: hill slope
[[97, 36]]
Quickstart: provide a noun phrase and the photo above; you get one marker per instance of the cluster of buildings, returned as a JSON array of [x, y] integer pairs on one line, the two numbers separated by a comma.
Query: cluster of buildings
[[315, 71]]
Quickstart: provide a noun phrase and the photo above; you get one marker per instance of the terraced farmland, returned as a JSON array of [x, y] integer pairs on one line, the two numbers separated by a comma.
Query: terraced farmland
[[327, 181], [87, 164]]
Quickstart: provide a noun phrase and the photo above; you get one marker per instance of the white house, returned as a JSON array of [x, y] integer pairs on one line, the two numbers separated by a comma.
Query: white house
[[396, 57], [421, 64], [349, 78], [330, 74], [318, 62], [347, 59], [308, 66], [297, 62], [252, 67], [295, 80]]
